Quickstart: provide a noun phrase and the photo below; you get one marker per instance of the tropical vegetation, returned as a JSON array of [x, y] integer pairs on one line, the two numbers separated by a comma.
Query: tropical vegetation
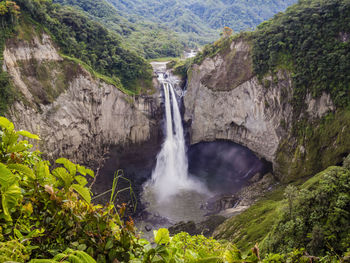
[[311, 39], [46, 215], [149, 39], [200, 21]]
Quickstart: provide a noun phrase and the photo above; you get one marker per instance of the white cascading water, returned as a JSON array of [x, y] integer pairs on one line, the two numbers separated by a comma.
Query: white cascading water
[[171, 172]]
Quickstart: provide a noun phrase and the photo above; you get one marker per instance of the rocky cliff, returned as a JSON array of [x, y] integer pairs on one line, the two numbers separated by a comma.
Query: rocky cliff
[[76, 115], [225, 100]]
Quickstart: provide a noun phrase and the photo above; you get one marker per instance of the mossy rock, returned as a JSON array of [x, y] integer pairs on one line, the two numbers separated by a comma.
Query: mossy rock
[[314, 146]]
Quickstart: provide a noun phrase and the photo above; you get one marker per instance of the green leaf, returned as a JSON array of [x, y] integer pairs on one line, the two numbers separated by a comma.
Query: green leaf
[[43, 261], [161, 237], [42, 172], [65, 177], [90, 172], [82, 247], [71, 167], [10, 138], [22, 169], [83, 192], [19, 147], [6, 124], [10, 197], [81, 180], [232, 254], [28, 135], [6, 176], [74, 256], [84, 171], [81, 170], [109, 244], [18, 234]]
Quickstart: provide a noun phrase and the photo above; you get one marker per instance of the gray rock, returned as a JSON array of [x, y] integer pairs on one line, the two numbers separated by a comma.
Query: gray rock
[[85, 119], [256, 114]]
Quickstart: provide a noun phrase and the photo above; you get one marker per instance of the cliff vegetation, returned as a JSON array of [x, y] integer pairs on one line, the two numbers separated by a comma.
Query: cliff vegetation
[[82, 41]]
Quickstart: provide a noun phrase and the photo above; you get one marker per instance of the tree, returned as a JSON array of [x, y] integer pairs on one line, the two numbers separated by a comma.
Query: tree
[[227, 32]]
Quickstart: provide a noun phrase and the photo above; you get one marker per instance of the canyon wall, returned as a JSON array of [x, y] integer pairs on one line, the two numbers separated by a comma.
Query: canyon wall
[[225, 100], [76, 115]]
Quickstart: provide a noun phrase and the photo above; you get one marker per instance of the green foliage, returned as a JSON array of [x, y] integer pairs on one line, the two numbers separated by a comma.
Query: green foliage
[[200, 21], [211, 50], [161, 236], [309, 38], [296, 256], [46, 216], [181, 67], [320, 218], [69, 255], [13, 251], [253, 224], [318, 144], [42, 208], [313, 218], [83, 39], [185, 248], [7, 93], [346, 163], [149, 39]]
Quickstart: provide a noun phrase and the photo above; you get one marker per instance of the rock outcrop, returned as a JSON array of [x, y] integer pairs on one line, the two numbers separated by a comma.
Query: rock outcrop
[[252, 112], [76, 115]]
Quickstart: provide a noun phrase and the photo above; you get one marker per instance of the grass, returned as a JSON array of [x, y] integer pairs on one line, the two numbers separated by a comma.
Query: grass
[[253, 224], [112, 81]]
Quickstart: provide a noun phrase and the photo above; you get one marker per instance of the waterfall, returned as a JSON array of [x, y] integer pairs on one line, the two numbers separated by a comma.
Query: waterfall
[[170, 175]]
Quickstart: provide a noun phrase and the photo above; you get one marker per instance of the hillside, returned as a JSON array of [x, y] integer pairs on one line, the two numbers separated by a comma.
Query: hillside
[[203, 20], [154, 30], [149, 39]]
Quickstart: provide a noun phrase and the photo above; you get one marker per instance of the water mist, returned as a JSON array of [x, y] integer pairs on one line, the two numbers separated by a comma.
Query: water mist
[[170, 176]]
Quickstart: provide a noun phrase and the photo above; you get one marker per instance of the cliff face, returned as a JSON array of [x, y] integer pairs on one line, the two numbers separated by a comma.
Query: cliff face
[[224, 100], [76, 115]]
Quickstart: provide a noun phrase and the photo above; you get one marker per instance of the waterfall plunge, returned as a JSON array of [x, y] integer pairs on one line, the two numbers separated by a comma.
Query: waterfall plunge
[[170, 175]]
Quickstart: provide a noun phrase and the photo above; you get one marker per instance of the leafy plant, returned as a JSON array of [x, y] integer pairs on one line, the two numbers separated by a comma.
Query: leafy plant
[[72, 176], [13, 251], [39, 204], [69, 255]]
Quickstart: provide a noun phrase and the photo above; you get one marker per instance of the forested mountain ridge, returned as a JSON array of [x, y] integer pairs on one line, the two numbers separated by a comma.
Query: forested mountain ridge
[[164, 28], [147, 38], [204, 17]]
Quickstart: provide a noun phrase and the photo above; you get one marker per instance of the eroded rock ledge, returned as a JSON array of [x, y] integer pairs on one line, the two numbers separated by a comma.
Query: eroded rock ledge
[[85, 116]]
